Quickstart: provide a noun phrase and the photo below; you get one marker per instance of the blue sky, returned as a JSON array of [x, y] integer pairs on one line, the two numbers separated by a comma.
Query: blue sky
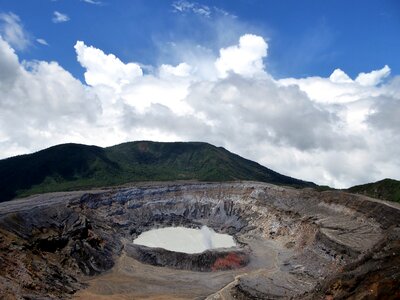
[[306, 38], [310, 89]]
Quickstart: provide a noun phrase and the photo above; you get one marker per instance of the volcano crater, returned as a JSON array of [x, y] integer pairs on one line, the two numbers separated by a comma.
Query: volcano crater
[[290, 243]]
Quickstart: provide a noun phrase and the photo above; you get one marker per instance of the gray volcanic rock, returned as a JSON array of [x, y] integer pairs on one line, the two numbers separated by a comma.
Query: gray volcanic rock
[[302, 244], [207, 261]]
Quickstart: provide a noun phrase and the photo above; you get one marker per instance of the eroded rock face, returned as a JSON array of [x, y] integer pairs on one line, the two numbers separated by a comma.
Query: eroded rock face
[[207, 261], [322, 244]]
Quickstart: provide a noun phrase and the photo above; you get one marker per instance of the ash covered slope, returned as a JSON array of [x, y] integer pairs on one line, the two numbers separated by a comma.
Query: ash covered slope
[[74, 166]]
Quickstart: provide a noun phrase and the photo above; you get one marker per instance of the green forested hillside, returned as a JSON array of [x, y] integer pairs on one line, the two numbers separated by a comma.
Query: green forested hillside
[[75, 166], [386, 189]]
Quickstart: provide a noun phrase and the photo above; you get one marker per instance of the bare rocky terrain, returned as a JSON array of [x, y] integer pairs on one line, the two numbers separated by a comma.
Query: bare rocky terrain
[[300, 244]]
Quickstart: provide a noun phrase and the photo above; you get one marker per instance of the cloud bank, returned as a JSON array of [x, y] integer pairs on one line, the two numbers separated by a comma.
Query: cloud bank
[[335, 130]]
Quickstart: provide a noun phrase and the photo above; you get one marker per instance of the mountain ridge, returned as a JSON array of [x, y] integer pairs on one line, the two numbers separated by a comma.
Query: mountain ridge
[[76, 166], [386, 189]]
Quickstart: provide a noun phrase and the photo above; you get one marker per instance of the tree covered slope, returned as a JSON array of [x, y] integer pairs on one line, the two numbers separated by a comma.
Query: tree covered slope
[[386, 189], [75, 166]]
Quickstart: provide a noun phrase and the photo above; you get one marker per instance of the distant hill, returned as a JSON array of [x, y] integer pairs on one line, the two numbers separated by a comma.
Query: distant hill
[[75, 166], [386, 189]]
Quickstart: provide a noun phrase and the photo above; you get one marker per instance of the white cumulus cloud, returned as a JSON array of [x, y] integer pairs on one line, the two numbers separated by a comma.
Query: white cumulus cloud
[[102, 69], [338, 76], [374, 77], [181, 70], [244, 59], [332, 130], [40, 104]]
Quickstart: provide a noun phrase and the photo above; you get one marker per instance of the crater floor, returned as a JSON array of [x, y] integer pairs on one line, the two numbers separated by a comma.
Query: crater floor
[[299, 244]]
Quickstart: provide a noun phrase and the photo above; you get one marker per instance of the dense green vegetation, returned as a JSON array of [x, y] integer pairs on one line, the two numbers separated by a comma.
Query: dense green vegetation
[[387, 189], [74, 166]]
